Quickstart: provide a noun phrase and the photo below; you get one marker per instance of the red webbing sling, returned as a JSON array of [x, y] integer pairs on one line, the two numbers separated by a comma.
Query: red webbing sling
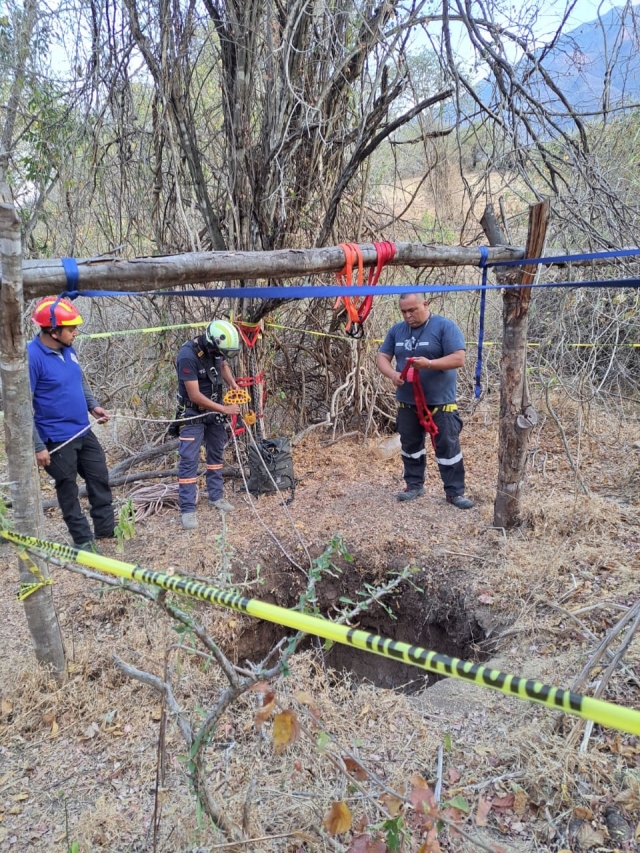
[[424, 415], [358, 311]]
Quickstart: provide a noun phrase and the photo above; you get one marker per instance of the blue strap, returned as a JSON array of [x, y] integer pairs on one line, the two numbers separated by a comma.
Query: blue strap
[[484, 257], [558, 259], [324, 291], [70, 266]]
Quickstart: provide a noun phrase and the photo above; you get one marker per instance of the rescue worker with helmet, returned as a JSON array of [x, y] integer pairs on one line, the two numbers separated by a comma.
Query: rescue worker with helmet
[[202, 368], [62, 402]]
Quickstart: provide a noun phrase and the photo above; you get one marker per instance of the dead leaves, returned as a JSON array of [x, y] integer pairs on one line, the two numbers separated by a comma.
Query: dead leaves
[[367, 844], [286, 730], [482, 811], [421, 796], [355, 769], [338, 819], [264, 712]]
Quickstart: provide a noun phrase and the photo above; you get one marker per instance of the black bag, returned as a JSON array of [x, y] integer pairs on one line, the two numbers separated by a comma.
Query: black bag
[[273, 454]]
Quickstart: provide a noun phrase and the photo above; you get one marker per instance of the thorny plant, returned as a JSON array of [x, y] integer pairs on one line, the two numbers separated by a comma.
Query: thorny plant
[[401, 815]]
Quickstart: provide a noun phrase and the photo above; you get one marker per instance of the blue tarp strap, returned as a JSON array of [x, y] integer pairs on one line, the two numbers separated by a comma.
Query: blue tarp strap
[[484, 256], [70, 266]]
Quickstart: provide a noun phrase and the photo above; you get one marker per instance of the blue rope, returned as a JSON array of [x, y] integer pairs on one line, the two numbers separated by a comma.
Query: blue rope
[[484, 255]]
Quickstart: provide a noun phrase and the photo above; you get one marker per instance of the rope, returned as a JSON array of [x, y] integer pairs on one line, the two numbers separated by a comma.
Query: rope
[[254, 509]]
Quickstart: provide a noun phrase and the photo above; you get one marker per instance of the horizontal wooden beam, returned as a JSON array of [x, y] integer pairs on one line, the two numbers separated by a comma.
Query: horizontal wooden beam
[[42, 277]]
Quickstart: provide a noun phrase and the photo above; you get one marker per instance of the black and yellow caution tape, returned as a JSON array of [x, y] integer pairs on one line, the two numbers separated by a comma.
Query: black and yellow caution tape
[[604, 713], [28, 588]]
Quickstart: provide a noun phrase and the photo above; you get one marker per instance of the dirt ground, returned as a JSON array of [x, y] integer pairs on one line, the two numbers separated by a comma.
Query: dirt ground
[[78, 765]]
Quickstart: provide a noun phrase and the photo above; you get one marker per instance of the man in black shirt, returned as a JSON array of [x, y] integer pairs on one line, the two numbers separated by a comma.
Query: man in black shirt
[[202, 367]]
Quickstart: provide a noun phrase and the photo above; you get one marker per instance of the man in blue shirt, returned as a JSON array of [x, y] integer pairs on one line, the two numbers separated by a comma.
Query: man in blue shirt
[[64, 443], [437, 349]]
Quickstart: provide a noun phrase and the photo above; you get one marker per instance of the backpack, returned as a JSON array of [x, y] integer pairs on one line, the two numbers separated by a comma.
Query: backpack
[[273, 454]]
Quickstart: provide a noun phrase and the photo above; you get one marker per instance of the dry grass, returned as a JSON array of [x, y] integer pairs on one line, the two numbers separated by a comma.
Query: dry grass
[[79, 763]]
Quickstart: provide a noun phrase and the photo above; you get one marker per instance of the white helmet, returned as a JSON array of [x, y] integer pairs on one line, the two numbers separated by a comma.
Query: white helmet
[[225, 336]]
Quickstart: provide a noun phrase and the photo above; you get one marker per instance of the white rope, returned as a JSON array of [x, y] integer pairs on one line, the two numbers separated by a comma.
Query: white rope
[[252, 504], [127, 418]]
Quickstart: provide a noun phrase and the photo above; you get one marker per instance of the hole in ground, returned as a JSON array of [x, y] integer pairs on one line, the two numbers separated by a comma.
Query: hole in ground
[[438, 619]]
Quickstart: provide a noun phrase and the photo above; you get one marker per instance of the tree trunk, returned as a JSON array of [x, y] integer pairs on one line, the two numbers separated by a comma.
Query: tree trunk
[[18, 427], [517, 415]]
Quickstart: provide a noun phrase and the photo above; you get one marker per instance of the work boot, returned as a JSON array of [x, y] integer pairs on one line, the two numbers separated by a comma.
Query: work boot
[[410, 494], [222, 505], [90, 546], [189, 520], [460, 501]]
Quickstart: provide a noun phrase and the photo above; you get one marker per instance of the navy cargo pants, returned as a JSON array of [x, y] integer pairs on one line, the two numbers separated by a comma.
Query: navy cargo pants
[[85, 456], [447, 448], [192, 436]]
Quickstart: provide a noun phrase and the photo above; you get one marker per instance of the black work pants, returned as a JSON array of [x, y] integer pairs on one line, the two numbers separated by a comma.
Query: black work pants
[[447, 449], [84, 456]]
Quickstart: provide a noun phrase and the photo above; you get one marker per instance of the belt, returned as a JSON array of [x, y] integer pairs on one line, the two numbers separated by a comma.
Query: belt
[[450, 407], [196, 408]]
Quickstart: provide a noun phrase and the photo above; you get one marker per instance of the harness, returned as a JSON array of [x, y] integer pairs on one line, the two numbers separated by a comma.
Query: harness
[[213, 368]]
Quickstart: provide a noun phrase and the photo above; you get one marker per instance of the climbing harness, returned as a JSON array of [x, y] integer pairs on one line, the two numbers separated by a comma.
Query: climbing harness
[[213, 367], [357, 312], [425, 416]]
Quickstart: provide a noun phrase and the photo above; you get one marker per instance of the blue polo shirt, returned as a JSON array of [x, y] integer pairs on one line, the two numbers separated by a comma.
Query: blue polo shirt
[[437, 337], [60, 408]]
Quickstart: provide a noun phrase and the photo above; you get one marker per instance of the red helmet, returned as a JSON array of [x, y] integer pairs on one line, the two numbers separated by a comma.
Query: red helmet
[[56, 311]]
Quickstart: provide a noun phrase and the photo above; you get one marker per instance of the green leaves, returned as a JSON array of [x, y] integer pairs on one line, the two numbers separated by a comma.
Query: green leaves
[[126, 527]]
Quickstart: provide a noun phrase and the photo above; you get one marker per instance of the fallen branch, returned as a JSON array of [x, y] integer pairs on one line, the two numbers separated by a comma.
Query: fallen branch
[[132, 477], [144, 456]]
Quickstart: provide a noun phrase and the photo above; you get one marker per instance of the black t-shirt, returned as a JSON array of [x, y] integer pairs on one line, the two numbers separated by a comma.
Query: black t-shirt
[[207, 371]]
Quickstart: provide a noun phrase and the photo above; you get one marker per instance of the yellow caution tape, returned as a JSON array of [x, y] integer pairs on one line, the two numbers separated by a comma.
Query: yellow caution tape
[[26, 588], [146, 331], [154, 329], [604, 713]]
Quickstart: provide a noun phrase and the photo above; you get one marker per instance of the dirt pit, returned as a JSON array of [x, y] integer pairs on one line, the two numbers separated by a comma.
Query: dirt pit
[[441, 620]]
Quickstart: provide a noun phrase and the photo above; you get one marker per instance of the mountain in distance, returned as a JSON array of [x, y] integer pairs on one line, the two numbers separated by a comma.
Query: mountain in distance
[[579, 60]]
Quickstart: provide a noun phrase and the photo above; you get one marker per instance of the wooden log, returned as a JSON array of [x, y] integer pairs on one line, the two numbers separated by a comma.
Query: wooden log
[[44, 276]]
